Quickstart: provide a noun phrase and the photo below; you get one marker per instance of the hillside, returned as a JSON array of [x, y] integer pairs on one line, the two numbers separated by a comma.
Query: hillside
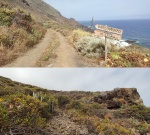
[[27, 109], [41, 11], [23, 23]]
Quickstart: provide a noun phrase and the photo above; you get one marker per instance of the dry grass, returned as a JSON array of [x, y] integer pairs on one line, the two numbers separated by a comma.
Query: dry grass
[[64, 29], [21, 34], [129, 57], [75, 35]]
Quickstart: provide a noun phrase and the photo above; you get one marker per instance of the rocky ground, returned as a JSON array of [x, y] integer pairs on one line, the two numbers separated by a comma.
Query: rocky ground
[[62, 125]]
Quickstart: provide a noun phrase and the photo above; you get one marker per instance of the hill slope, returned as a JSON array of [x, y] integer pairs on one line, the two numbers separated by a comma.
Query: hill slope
[[41, 11], [27, 109], [23, 23]]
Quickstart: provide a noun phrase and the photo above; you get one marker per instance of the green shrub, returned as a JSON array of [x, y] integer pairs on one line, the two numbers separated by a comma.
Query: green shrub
[[115, 55], [4, 92], [139, 112], [63, 100], [106, 127], [96, 105], [23, 111], [76, 105], [90, 46], [6, 16]]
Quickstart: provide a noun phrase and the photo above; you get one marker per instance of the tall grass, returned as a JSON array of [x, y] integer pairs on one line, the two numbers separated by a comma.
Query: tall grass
[[76, 35]]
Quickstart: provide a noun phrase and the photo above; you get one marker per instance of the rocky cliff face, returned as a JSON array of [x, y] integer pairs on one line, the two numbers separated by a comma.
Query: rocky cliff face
[[119, 97]]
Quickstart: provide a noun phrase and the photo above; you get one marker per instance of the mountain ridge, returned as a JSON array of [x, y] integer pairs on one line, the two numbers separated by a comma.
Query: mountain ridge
[[41, 11]]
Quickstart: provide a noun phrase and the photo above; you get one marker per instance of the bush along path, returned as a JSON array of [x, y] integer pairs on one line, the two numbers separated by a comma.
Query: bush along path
[[29, 59], [19, 32]]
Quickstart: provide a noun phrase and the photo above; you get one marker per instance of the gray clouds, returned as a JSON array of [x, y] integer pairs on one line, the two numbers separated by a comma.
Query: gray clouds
[[87, 79], [102, 9]]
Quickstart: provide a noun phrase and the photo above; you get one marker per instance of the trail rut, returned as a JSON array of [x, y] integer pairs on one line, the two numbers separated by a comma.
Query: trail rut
[[66, 54]]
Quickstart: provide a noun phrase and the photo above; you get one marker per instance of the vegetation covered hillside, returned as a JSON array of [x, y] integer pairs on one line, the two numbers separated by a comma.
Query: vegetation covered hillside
[[23, 23], [18, 32], [40, 10], [27, 109]]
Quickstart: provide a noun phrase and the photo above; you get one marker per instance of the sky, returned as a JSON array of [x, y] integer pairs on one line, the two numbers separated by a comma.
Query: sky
[[85, 79], [83, 10]]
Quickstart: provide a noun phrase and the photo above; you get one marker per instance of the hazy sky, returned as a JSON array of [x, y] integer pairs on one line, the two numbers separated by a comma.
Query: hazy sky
[[84, 79], [102, 9]]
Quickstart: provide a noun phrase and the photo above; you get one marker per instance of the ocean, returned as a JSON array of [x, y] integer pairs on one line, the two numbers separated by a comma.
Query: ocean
[[135, 31]]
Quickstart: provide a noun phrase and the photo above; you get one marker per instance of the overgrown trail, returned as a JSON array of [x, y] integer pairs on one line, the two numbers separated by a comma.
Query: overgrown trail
[[66, 54], [29, 58], [62, 125]]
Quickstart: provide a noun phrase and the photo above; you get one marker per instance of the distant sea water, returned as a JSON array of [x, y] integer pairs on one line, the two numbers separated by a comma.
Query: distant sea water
[[136, 31]]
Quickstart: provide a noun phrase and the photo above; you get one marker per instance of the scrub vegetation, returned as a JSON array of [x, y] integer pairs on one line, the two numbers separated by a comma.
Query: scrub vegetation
[[27, 109], [93, 47], [18, 32]]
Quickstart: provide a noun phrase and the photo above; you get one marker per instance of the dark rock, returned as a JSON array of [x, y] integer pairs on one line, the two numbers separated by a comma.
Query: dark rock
[[24, 1], [130, 41], [119, 97]]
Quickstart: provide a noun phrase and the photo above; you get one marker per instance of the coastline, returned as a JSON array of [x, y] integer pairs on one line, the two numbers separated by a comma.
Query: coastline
[[136, 31]]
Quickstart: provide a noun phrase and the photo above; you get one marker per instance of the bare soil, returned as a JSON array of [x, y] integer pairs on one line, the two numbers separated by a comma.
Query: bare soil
[[66, 55]]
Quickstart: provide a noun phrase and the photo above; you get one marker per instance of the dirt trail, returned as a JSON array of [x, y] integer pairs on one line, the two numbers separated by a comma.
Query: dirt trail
[[29, 58], [66, 54], [62, 125]]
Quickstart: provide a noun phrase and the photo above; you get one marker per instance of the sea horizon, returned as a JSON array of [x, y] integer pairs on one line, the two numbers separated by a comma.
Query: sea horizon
[[137, 31], [113, 20]]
